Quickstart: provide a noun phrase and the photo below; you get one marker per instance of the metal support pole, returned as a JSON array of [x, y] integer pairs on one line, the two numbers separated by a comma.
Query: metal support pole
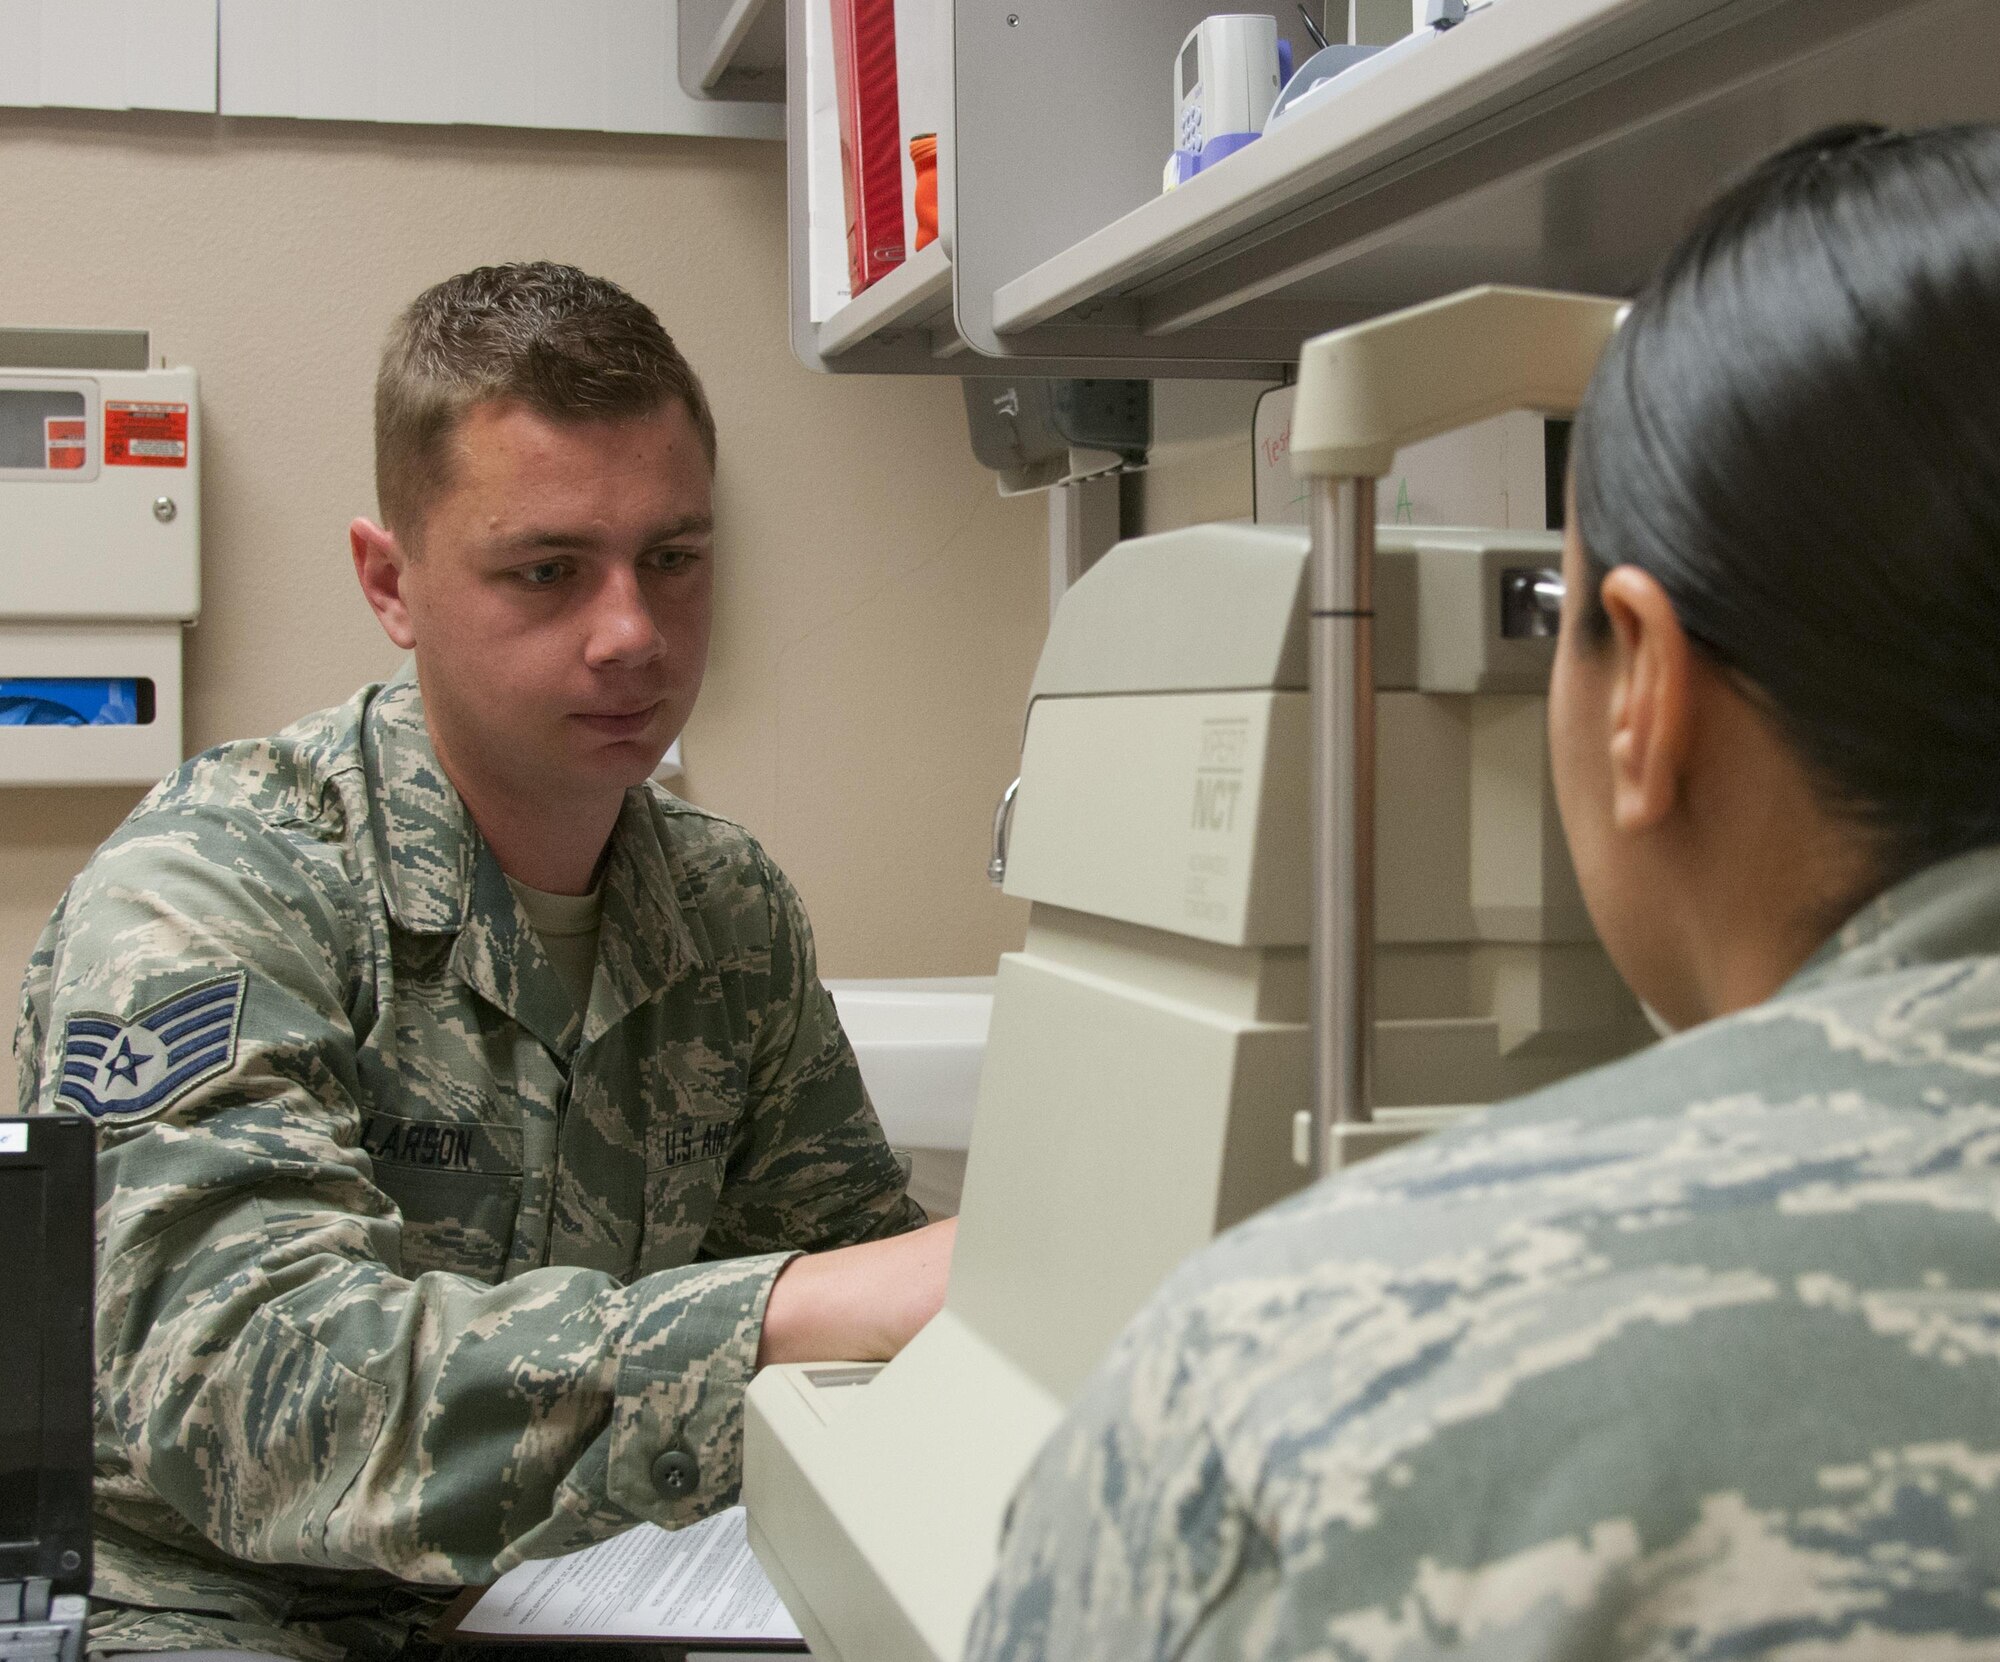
[[1083, 528], [1342, 673]]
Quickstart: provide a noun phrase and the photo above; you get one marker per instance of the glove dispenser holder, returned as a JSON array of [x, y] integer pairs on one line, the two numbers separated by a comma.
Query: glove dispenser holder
[[100, 537]]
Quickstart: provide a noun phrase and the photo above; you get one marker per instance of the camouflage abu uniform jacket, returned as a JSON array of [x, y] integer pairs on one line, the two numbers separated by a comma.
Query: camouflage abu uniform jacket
[[1697, 1355], [407, 1270]]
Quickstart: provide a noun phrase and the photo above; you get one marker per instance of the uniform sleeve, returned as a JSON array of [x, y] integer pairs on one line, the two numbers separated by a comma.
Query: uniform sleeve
[[1125, 1539], [1677, 1455], [811, 1168], [269, 1374]]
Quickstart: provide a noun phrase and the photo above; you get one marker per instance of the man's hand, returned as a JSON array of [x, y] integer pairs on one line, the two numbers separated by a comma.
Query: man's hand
[[859, 1303]]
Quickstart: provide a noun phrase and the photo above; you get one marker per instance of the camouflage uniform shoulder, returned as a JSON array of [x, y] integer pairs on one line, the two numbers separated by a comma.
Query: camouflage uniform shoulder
[[700, 836], [261, 835], [1804, 1039], [721, 870], [744, 918], [1686, 1356], [1709, 1311], [287, 812], [286, 778], [1870, 1041]]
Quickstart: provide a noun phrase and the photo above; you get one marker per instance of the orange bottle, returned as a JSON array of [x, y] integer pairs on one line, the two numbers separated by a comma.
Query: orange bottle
[[923, 152]]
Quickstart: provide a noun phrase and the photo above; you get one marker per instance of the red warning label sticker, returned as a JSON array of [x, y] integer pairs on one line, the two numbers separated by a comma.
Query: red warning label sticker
[[145, 435], [63, 440]]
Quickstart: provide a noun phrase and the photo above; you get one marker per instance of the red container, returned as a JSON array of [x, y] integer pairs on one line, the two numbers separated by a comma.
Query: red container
[[871, 135]]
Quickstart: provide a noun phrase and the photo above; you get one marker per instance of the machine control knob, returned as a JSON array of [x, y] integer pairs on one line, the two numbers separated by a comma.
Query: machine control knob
[[164, 509], [675, 1474]]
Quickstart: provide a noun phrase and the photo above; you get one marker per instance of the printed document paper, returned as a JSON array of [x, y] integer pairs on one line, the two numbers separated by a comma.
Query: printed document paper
[[697, 1584]]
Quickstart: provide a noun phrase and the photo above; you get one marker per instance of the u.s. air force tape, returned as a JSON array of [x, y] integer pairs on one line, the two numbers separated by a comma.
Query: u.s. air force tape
[[120, 1069]]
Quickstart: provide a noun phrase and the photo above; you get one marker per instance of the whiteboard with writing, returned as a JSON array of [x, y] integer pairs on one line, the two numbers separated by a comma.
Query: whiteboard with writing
[[1492, 474]]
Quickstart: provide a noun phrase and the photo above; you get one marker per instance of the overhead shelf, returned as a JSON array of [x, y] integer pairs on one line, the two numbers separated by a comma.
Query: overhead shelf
[[1562, 143], [905, 324], [914, 298], [1456, 80], [733, 49]]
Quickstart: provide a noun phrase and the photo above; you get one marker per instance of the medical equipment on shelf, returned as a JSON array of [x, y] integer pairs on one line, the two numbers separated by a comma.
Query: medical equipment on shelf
[[1226, 74], [100, 538], [1337, 70], [1220, 994]]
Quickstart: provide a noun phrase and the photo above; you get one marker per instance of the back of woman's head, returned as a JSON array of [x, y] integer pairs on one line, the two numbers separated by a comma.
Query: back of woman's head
[[1797, 432]]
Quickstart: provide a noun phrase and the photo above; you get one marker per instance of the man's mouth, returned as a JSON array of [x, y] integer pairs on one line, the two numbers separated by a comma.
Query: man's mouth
[[621, 723]]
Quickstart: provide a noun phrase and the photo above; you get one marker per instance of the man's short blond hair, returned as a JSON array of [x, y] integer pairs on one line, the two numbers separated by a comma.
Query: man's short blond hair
[[569, 346]]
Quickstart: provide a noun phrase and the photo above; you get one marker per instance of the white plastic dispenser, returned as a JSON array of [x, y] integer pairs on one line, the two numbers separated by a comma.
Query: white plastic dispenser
[[100, 555]]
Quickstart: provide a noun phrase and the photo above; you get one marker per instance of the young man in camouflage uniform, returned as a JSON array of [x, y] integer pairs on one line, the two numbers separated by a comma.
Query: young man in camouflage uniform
[[1697, 1356], [463, 1098]]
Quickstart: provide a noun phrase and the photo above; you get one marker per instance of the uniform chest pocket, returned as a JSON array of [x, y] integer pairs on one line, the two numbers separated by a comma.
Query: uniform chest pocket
[[458, 1187], [685, 1162]]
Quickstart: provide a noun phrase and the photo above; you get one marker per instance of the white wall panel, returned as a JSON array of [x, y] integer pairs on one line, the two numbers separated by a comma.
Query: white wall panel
[[639, 49], [414, 79], [590, 64], [340, 57], [20, 51], [78, 72], [259, 57], [492, 61], [108, 54], [650, 33], [170, 55], [568, 48]]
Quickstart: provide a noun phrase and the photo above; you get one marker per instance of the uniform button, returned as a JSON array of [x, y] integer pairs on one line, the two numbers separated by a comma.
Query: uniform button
[[675, 1473]]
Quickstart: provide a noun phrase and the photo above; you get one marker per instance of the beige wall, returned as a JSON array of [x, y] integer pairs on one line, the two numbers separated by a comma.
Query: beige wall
[[1195, 484], [879, 607], [1199, 468]]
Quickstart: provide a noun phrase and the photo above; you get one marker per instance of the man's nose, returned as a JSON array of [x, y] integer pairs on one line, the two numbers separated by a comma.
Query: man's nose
[[622, 630]]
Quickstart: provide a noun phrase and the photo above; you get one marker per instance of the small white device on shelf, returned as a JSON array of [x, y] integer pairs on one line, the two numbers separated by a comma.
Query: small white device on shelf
[[1226, 77], [1338, 70]]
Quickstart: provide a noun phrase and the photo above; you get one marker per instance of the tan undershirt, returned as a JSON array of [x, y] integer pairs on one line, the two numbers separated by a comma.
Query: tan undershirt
[[567, 925]]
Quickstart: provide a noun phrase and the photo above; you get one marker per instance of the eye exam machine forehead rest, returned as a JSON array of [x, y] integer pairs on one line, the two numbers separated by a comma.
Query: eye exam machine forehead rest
[[1368, 391]]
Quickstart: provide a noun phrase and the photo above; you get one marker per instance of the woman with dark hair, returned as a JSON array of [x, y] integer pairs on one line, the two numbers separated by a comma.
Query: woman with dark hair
[[1698, 1354]]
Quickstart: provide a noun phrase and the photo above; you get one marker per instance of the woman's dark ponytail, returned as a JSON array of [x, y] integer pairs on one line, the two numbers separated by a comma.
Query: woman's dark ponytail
[[1797, 432]]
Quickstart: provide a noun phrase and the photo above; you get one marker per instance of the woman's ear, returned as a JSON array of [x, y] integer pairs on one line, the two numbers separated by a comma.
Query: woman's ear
[[1652, 714]]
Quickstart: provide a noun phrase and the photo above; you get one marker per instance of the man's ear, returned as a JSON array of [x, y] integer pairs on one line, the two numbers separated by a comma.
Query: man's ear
[[1652, 699], [379, 563]]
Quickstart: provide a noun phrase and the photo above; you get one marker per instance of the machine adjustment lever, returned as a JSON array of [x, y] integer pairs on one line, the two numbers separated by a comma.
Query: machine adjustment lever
[[1003, 821]]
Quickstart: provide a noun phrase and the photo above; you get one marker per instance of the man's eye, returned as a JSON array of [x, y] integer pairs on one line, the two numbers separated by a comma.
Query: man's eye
[[542, 576], [671, 559]]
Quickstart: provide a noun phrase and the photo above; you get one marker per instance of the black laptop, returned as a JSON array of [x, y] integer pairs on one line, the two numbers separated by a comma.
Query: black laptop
[[47, 1230]]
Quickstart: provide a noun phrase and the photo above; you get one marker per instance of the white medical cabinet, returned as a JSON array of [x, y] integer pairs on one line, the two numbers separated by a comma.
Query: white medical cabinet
[[100, 555]]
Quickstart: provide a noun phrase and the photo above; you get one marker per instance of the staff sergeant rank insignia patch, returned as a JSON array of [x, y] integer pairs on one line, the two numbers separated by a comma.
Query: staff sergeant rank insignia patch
[[122, 1071]]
